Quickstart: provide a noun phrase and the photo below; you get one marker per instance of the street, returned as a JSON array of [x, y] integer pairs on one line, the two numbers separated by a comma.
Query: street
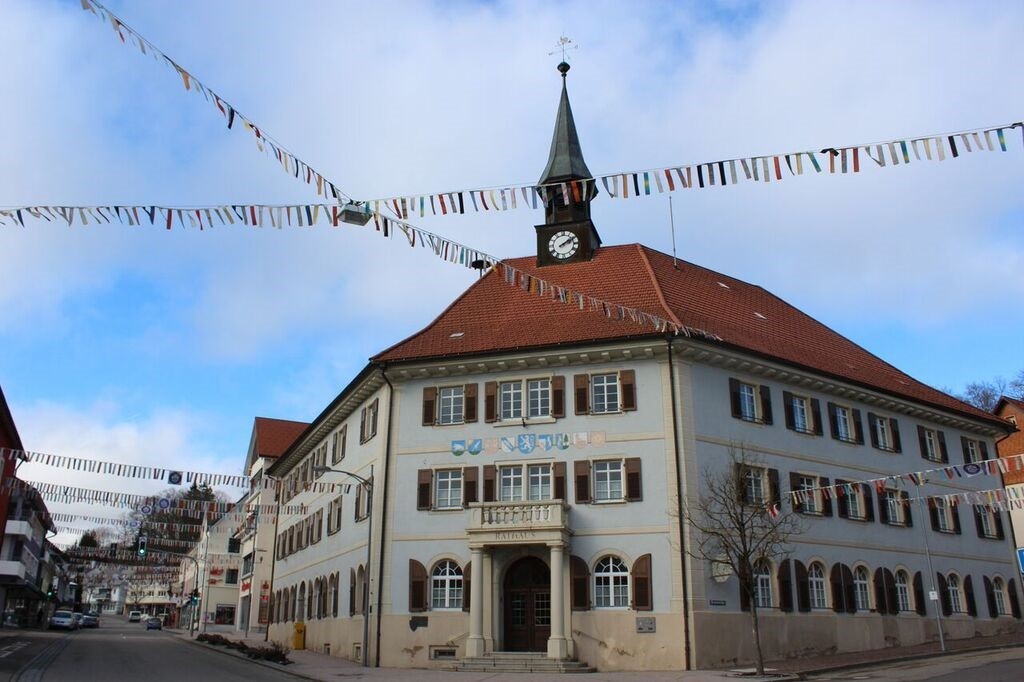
[[1001, 665], [116, 650]]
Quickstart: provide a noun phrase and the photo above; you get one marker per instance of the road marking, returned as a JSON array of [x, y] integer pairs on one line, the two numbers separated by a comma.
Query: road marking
[[12, 648]]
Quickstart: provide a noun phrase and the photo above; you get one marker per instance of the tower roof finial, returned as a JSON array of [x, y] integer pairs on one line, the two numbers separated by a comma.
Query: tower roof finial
[[566, 158]]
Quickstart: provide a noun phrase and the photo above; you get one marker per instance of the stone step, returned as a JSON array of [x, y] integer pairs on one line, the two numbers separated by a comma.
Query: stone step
[[516, 662]]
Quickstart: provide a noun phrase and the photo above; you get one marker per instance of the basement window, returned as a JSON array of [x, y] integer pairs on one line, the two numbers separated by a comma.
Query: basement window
[[442, 653]]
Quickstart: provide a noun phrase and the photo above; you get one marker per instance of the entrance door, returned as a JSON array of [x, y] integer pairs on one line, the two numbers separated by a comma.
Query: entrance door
[[527, 593]]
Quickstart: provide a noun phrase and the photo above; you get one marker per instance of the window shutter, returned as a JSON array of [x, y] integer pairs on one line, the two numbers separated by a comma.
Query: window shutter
[[643, 597], [933, 513], [794, 485], [803, 588], [965, 449], [558, 474], [972, 607], [580, 580], [785, 587], [869, 503], [467, 577], [954, 511], [417, 587], [787, 409], [740, 474], [766, 403], [851, 601], [734, 398], [943, 452], [581, 469], [424, 481], [977, 521], [581, 388], [469, 485], [890, 592], [558, 397], [627, 381], [838, 591], [842, 503], [908, 511], [362, 425], [873, 428], [359, 501], [491, 401], [983, 447], [469, 415], [351, 592], [858, 428], [881, 595], [490, 473], [634, 480], [833, 422], [883, 508], [998, 516], [773, 488], [947, 607], [429, 405], [1011, 591], [894, 428], [826, 497], [816, 416], [373, 414], [990, 598], [919, 601], [922, 442]]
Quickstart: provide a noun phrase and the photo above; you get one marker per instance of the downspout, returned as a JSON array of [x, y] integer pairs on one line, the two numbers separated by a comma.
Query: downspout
[[383, 508], [679, 502]]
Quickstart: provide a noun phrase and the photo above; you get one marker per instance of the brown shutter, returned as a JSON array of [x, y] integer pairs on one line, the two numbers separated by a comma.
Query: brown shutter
[[919, 603], [558, 473], [794, 485], [954, 511], [894, 428], [362, 426], [785, 587], [429, 406], [417, 587], [816, 412], [351, 591], [851, 600], [376, 413], [972, 606], [581, 389], [424, 481], [469, 415], [842, 503], [359, 500], [491, 401], [933, 513], [469, 485], [990, 598], [832, 421], [922, 441], [766, 404], [634, 480], [826, 497], [734, 398], [858, 427], [773, 488], [643, 597], [490, 474], [998, 516], [873, 428], [943, 452], [803, 588], [983, 446], [467, 578], [978, 521], [908, 511], [627, 380], [943, 586], [558, 397], [838, 592], [890, 592], [965, 449], [740, 474], [881, 596], [1011, 591], [581, 469], [787, 409], [580, 581], [869, 503]]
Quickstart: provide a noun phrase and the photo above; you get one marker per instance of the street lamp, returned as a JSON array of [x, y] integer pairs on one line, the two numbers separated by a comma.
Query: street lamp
[[367, 483]]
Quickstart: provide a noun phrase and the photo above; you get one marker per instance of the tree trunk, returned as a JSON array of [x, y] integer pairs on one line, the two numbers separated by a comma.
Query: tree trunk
[[756, 627]]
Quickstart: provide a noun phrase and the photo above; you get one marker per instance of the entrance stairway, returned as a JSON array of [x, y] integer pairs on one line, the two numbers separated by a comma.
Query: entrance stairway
[[520, 662]]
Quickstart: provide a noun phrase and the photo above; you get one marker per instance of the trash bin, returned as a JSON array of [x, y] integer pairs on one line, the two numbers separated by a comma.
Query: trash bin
[[299, 637]]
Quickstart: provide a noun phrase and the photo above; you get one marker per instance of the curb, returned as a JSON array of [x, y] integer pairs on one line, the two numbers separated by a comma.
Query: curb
[[803, 674], [234, 654]]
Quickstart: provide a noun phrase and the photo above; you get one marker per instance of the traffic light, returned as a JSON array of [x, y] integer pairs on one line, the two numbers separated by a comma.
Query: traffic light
[[142, 546], [49, 594], [195, 596]]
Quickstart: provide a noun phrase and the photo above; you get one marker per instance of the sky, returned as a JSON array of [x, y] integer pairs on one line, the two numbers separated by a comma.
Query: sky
[[146, 346]]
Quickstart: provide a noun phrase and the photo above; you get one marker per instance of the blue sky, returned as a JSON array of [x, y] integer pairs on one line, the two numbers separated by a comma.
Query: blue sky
[[152, 346]]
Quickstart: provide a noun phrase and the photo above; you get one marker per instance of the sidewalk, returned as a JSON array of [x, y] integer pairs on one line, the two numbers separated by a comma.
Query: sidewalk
[[315, 666]]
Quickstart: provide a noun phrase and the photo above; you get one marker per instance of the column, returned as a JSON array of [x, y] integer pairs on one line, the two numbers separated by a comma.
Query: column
[[475, 642], [557, 646]]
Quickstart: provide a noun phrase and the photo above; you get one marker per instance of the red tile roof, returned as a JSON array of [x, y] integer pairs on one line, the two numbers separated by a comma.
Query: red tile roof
[[274, 436], [492, 316], [1019, 404]]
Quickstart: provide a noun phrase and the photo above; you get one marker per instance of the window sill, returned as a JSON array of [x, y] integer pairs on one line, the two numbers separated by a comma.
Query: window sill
[[606, 502], [805, 432], [753, 420], [889, 451], [848, 441], [444, 510], [458, 423], [528, 421]]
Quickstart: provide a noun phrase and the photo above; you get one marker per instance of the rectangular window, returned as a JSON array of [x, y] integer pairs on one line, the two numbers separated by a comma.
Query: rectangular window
[[608, 480], [801, 414], [855, 504], [894, 508], [538, 393], [511, 400], [972, 453], [986, 522], [942, 516], [451, 405], [931, 445], [748, 402], [510, 483], [883, 435], [754, 488], [604, 393], [368, 422], [539, 482], [810, 502], [843, 423], [231, 577], [448, 489]]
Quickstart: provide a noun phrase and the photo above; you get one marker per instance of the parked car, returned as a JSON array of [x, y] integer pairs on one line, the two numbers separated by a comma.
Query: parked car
[[154, 624], [78, 619], [63, 620], [134, 616], [90, 620]]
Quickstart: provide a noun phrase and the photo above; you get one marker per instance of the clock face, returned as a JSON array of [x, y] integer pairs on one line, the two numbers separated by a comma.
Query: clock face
[[563, 244]]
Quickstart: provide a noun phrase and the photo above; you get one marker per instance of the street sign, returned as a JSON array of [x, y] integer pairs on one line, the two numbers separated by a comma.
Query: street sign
[[1020, 558]]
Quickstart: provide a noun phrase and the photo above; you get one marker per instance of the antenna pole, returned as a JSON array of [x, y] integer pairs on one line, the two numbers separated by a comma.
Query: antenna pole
[[672, 224]]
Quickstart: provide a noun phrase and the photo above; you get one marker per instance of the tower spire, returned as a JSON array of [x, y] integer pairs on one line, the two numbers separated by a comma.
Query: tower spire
[[565, 161]]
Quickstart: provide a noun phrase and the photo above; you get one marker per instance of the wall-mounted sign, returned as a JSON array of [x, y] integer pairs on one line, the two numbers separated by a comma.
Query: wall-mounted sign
[[717, 602], [527, 443]]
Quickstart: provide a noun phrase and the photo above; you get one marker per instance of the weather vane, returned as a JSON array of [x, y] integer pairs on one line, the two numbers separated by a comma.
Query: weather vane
[[564, 44]]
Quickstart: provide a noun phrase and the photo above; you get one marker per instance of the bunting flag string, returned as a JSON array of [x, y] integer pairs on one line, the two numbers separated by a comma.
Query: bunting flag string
[[989, 467]]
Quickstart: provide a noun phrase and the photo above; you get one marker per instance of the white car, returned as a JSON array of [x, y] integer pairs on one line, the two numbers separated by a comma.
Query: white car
[[64, 620], [134, 616]]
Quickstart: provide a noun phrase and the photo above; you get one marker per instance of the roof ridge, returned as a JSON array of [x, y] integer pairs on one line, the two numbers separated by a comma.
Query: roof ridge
[[657, 286]]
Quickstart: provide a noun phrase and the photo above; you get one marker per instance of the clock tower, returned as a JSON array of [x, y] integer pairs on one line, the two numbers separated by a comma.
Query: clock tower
[[568, 235]]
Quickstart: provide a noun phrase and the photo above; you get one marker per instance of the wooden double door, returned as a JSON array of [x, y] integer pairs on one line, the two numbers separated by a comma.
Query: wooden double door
[[527, 599]]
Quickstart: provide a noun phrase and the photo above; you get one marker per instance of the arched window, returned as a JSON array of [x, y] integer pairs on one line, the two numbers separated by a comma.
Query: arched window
[[903, 591], [999, 596], [611, 583], [446, 586], [763, 585], [861, 593], [816, 586], [956, 603]]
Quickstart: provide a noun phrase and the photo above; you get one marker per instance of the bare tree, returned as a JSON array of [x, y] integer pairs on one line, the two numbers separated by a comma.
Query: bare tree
[[739, 521], [985, 394]]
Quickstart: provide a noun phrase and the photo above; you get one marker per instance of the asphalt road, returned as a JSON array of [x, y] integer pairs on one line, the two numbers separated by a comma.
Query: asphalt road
[[119, 650], [1002, 665]]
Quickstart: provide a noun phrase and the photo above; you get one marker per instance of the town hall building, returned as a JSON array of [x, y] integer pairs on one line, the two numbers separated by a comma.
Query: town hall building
[[519, 471]]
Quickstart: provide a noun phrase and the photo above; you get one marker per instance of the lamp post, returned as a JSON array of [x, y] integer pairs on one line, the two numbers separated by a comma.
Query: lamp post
[[367, 484], [931, 571]]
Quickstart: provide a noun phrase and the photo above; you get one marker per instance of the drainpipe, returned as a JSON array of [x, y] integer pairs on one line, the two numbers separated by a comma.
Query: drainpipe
[[679, 501], [383, 508]]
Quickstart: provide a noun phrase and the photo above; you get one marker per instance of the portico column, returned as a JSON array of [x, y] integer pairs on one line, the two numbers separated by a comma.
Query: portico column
[[475, 642], [557, 646]]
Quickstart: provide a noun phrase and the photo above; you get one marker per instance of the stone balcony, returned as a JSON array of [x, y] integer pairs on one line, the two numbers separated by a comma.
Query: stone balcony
[[518, 523]]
